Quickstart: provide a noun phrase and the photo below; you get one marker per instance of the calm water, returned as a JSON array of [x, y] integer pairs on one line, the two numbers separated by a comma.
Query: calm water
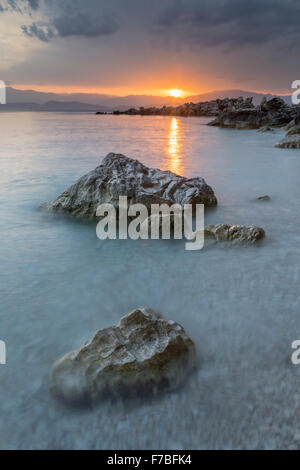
[[59, 284]]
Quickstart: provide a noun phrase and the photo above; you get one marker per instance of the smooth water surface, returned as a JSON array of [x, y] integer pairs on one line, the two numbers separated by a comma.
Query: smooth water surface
[[59, 284]]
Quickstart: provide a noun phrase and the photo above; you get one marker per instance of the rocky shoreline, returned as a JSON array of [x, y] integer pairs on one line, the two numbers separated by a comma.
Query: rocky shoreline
[[206, 108], [237, 113]]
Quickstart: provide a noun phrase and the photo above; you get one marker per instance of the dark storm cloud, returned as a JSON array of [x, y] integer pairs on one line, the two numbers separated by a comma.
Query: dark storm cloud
[[231, 21], [89, 18], [214, 42], [203, 22], [81, 24], [73, 18]]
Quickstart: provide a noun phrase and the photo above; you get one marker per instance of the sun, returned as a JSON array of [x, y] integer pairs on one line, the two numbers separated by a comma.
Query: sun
[[176, 93]]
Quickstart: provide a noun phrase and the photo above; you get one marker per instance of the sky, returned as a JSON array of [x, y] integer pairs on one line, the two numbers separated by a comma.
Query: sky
[[150, 46]]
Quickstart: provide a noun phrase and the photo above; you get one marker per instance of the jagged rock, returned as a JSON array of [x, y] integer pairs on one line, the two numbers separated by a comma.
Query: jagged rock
[[291, 142], [275, 113], [274, 104], [143, 354], [235, 233], [122, 176], [263, 198]]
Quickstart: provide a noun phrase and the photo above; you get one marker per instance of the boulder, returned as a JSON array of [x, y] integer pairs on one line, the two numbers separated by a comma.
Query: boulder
[[274, 104], [237, 234], [119, 175], [274, 112], [144, 354]]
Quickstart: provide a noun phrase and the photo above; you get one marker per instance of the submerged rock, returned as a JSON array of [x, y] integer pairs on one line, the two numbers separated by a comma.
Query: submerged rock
[[263, 198], [119, 175], [265, 129], [143, 354], [235, 233]]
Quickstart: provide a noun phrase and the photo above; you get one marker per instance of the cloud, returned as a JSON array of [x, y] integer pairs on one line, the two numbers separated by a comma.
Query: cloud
[[230, 21], [39, 30], [20, 6], [64, 18], [81, 24]]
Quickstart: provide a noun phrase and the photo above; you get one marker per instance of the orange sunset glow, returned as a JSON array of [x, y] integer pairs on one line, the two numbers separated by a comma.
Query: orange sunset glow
[[176, 93]]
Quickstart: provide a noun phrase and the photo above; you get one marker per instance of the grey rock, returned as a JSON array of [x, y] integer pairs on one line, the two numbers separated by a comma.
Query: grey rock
[[265, 129], [119, 175], [237, 234], [143, 354], [274, 112], [291, 142], [293, 130]]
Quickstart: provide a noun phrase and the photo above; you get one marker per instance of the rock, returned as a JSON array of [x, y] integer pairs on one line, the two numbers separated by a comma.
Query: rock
[[274, 104], [263, 198], [294, 130], [206, 108], [235, 233], [239, 119], [121, 176], [274, 112], [143, 354], [265, 129], [291, 142]]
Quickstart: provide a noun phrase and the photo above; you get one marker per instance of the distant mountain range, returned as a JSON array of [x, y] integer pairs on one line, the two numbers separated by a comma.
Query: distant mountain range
[[31, 100]]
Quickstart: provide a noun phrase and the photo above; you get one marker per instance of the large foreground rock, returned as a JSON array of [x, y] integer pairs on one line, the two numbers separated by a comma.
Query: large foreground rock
[[122, 176], [237, 234], [143, 354]]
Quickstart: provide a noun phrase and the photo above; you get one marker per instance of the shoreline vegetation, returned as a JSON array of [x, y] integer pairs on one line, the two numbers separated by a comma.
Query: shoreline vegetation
[[236, 113]]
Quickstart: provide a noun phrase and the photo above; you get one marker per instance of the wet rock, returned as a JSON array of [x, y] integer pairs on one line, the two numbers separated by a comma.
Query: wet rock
[[263, 198], [235, 233], [291, 142], [143, 354], [119, 175], [265, 129], [293, 130]]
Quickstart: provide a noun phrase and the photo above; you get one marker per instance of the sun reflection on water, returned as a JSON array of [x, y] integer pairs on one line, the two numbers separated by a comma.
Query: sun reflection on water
[[174, 157]]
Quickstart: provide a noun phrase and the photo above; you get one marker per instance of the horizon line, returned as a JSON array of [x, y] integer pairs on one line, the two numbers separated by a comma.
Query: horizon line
[[187, 94]]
